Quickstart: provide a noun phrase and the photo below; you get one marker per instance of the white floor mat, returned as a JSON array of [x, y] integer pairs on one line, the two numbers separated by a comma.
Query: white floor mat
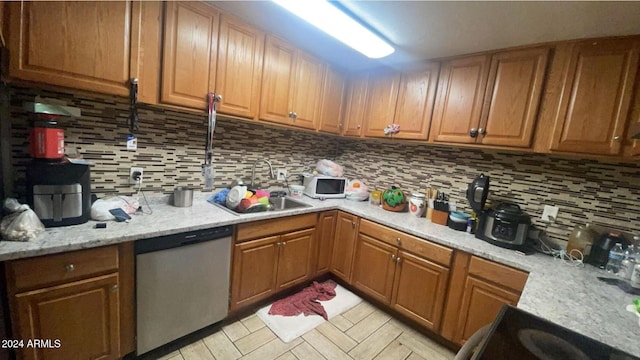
[[290, 327]]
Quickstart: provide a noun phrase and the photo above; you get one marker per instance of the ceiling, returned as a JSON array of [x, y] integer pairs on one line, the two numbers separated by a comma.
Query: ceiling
[[422, 30]]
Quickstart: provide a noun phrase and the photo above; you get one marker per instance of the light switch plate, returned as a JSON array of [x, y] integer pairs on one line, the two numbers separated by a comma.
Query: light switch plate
[[550, 213]]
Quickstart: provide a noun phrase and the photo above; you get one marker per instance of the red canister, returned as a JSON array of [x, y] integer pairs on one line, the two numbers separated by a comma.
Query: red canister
[[47, 141]]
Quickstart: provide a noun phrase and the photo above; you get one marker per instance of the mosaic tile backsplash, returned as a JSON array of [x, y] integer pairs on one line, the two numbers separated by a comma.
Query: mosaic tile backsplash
[[171, 151]]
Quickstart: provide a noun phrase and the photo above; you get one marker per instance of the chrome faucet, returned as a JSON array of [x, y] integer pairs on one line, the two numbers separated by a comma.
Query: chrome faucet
[[253, 171]]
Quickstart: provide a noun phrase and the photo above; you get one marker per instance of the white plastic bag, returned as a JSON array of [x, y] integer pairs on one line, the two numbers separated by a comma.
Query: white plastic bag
[[356, 190], [328, 167], [22, 224], [100, 208]]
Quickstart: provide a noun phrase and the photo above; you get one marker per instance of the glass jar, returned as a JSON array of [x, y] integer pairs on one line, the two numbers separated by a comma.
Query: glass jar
[[581, 239]]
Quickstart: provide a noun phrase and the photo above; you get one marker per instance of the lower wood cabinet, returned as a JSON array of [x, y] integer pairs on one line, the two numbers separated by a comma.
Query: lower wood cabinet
[[479, 288], [413, 285], [82, 303], [278, 255], [325, 233], [343, 245]]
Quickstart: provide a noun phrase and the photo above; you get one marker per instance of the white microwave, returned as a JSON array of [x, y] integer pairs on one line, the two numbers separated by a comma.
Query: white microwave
[[323, 186]]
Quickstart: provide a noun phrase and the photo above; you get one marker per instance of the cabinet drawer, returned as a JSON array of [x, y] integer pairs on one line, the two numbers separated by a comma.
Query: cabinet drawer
[[423, 248], [270, 227], [52, 269], [500, 274]]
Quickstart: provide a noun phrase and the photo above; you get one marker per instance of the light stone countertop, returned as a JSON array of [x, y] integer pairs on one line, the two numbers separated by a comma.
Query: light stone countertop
[[561, 293]]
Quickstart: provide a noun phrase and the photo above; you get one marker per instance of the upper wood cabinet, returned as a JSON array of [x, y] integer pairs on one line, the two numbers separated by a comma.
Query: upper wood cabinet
[[83, 45], [404, 99], [414, 107], [239, 74], [380, 108], [592, 108], [510, 83], [512, 98], [332, 102], [460, 94], [356, 100], [189, 53], [291, 85]]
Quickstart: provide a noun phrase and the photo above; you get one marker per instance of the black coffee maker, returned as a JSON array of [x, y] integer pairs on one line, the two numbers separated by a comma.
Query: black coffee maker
[[599, 255]]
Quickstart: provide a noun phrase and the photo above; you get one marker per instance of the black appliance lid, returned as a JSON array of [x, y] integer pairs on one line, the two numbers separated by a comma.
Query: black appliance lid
[[512, 213], [477, 192]]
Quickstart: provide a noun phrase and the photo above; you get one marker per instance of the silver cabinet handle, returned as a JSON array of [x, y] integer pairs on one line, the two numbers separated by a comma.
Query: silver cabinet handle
[[398, 260], [481, 131], [70, 267], [284, 243], [473, 132], [291, 114], [393, 257], [398, 241], [278, 243], [114, 288], [617, 138], [357, 126], [353, 224]]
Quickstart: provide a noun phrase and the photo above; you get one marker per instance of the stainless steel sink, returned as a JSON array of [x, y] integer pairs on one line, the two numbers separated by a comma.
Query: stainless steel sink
[[275, 204], [285, 203]]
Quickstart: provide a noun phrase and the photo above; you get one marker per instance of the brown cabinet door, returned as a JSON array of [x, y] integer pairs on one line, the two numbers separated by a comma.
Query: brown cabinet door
[[189, 53], [415, 103], [82, 45], [356, 100], [460, 95], [277, 81], [344, 245], [382, 96], [240, 56], [294, 260], [255, 264], [83, 315], [481, 303], [325, 231], [374, 267], [419, 289], [595, 98], [512, 97], [332, 102], [307, 89]]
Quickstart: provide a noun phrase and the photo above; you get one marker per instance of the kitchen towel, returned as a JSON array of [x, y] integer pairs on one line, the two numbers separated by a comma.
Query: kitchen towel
[[306, 301], [288, 328]]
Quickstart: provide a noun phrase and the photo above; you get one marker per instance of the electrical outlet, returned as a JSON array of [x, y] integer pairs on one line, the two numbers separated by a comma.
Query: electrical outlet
[[282, 174], [550, 213], [135, 172]]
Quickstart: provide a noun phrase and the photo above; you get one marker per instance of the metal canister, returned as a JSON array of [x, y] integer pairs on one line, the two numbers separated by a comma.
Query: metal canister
[[635, 277]]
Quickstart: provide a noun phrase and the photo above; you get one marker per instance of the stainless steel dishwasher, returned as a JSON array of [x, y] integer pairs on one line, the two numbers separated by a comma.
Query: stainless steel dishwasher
[[182, 284]]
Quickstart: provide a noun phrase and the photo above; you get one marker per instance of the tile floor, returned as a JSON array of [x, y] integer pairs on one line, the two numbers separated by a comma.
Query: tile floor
[[363, 332]]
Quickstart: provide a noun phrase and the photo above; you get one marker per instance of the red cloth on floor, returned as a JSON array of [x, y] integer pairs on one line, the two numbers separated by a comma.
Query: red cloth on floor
[[306, 301]]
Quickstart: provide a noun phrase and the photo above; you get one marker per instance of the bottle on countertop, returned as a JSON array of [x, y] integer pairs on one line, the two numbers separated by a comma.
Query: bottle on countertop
[[631, 258], [616, 255], [635, 277]]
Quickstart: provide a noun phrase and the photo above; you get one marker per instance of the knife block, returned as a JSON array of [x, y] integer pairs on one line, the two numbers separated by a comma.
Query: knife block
[[439, 217]]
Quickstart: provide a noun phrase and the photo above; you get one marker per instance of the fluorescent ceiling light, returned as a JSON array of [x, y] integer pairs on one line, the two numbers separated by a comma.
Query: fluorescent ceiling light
[[334, 22]]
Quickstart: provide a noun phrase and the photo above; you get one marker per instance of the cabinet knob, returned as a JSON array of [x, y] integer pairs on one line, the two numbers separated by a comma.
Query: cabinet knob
[[284, 243], [481, 131], [278, 243], [353, 224], [291, 114], [398, 260], [617, 138], [357, 126], [114, 288], [473, 132], [398, 241], [393, 257], [295, 116], [70, 267]]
